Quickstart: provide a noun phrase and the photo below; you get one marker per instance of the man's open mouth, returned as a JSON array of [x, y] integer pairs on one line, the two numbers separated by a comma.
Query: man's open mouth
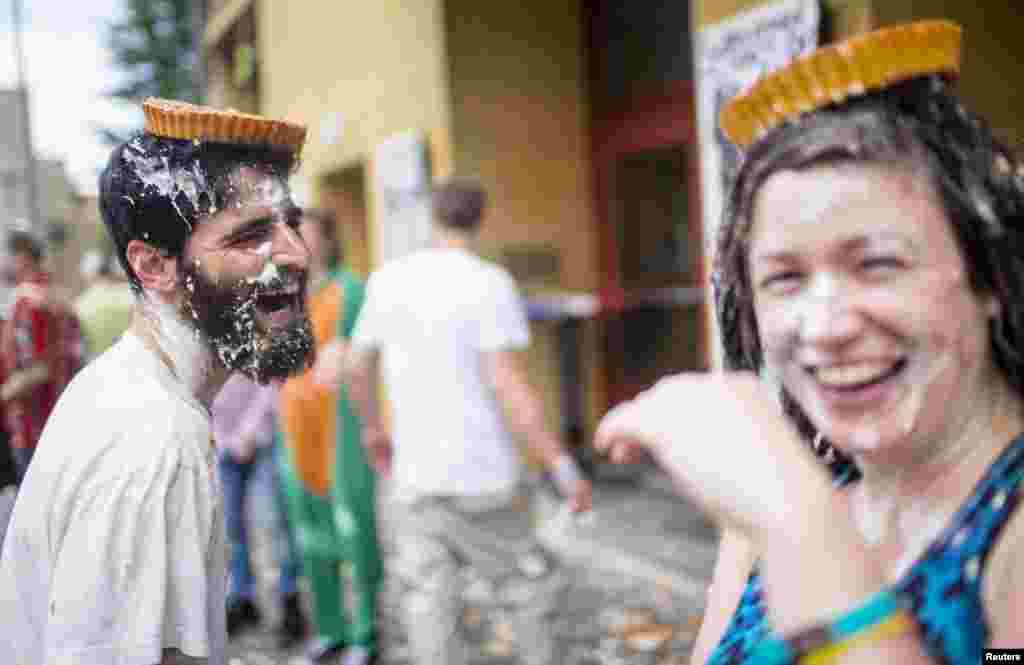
[[280, 307]]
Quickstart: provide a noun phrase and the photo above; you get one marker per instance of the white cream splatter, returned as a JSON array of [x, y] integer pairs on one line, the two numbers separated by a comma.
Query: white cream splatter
[[268, 276], [871, 515], [191, 359], [867, 437], [156, 173]]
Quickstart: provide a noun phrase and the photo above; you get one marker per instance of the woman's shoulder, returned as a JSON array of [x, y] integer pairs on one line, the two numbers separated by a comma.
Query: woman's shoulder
[[737, 556]]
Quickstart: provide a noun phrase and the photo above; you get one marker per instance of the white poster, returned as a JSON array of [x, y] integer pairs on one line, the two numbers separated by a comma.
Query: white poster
[[402, 186], [729, 57]]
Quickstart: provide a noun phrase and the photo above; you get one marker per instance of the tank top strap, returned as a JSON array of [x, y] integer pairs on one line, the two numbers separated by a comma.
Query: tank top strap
[[945, 585], [975, 528]]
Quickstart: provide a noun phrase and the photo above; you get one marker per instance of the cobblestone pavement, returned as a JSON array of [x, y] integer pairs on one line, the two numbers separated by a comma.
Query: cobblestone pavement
[[611, 617], [607, 622]]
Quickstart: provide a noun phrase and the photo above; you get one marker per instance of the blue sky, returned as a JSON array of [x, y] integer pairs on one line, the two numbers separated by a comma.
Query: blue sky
[[68, 68]]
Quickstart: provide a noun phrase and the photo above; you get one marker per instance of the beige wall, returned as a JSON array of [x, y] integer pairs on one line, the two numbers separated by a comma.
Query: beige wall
[[519, 122], [379, 65], [85, 232], [992, 79], [851, 15], [344, 191], [708, 12]]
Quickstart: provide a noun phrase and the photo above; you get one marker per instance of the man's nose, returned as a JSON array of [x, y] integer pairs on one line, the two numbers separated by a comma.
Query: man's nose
[[288, 247]]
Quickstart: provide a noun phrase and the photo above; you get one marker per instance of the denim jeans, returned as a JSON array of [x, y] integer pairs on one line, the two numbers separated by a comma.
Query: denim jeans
[[22, 457], [257, 478]]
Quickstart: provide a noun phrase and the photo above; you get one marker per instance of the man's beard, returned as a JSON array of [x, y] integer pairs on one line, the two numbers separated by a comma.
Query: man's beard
[[228, 318]]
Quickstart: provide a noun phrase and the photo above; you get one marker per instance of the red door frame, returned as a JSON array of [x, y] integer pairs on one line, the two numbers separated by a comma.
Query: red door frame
[[658, 118]]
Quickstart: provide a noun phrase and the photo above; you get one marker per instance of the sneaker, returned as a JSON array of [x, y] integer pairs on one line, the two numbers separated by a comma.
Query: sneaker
[[293, 624], [242, 614], [360, 655], [324, 651]]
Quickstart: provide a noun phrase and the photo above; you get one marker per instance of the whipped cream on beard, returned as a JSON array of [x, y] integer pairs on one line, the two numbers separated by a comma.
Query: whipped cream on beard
[[233, 321]]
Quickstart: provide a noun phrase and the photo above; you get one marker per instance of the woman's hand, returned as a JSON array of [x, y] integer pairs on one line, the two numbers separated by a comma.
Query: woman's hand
[[725, 443]]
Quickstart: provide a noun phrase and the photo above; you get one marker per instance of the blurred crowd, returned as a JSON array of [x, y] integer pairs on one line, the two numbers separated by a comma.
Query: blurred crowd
[[46, 336]]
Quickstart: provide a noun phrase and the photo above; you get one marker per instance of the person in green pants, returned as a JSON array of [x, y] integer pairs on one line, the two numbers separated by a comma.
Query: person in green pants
[[329, 485]]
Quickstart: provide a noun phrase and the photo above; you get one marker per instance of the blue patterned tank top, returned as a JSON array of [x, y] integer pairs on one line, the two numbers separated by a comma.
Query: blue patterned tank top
[[944, 585]]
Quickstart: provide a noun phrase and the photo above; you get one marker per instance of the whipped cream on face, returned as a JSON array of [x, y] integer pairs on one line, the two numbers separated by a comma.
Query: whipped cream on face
[[814, 306], [913, 405], [867, 437], [269, 275]]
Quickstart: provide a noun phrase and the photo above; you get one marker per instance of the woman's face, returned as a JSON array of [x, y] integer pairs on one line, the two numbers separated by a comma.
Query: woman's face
[[864, 309]]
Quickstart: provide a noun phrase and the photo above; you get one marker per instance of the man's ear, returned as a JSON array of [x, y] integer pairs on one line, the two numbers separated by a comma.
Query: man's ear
[[156, 272]]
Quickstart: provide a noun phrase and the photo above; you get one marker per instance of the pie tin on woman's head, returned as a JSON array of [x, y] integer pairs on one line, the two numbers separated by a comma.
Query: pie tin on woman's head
[[835, 73]]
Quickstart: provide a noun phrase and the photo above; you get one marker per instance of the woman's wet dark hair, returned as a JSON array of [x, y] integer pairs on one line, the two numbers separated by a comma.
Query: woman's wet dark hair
[[157, 189], [919, 123]]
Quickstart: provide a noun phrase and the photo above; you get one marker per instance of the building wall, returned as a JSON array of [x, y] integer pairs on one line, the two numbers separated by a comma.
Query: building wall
[[58, 210], [519, 122], [344, 192], [228, 39], [13, 189], [85, 233], [992, 75], [359, 71]]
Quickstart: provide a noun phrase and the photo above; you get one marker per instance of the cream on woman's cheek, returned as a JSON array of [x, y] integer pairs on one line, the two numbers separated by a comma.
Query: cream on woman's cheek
[[941, 349]]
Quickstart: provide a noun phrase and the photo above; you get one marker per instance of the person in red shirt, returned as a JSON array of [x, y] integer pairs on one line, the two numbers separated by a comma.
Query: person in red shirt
[[41, 348], [8, 475]]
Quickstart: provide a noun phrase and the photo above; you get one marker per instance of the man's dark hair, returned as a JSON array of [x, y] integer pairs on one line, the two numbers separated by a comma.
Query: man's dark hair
[[459, 203], [157, 189], [920, 124], [23, 242]]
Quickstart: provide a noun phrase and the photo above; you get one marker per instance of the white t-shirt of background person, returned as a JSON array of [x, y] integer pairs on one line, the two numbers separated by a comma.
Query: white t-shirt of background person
[[432, 315], [116, 548]]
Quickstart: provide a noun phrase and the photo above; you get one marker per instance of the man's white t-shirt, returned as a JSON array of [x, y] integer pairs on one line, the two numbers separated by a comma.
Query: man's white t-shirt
[[432, 315], [116, 549]]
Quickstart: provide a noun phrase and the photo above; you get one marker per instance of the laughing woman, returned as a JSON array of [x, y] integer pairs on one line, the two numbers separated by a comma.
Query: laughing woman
[[871, 269]]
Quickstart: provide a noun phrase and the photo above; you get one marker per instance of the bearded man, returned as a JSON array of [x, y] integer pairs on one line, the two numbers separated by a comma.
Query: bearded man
[[116, 549]]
